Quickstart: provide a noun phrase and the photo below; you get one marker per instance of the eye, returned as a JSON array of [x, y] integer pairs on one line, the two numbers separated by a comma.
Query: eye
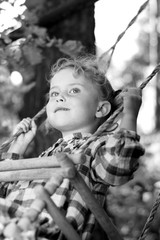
[[74, 90], [54, 94]]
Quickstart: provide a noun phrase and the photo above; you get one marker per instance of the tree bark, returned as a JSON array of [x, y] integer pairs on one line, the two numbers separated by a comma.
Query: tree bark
[[63, 11]]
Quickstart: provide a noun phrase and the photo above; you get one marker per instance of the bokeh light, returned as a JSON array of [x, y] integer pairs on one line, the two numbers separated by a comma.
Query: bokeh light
[[16, 78]]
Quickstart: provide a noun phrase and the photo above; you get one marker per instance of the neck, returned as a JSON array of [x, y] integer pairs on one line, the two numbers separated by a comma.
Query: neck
[[81, 130]]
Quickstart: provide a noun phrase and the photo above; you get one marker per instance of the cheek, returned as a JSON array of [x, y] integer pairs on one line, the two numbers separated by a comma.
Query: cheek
[[88, 108], [48, 108], [49, 113], [92, 104], [50, 104]]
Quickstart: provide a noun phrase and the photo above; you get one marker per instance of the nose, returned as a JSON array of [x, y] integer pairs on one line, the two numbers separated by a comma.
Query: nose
[[60, 98]]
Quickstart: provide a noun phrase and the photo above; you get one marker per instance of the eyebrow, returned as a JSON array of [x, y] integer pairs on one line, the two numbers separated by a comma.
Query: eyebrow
[[72, 84]]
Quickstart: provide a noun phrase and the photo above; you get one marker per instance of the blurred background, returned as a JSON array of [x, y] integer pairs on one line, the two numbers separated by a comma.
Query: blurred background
[[35, 33]]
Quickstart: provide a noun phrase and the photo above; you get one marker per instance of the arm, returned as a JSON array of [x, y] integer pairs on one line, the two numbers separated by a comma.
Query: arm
[[132, 99], [116, 157], [20, 145]]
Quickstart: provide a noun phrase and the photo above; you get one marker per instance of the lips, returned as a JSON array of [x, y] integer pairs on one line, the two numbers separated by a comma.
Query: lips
[[61, 109]]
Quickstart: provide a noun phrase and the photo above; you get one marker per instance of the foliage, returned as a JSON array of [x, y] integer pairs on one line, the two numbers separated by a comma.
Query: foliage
[[23, 44], [22, 47], [135, 69], [29, 48]]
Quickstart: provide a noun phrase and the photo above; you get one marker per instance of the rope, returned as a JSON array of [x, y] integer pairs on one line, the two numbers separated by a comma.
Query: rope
[[154, 72], [150, 219], [112, 49]]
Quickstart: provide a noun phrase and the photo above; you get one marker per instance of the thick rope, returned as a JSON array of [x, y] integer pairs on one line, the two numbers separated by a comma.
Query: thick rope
[[111, 50], [150, 219], [154, 72]]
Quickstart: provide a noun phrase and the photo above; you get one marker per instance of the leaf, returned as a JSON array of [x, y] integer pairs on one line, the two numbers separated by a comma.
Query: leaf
[[38, 31], [32, 54], [14, 52], [70, 47], [30, 17], [5, 37]]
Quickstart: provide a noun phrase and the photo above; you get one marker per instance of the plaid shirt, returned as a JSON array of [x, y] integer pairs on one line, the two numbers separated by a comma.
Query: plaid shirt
[[111, 160]]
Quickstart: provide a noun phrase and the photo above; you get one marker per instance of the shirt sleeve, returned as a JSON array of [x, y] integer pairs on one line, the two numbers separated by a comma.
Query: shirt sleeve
[[116, 156], [5, 185]]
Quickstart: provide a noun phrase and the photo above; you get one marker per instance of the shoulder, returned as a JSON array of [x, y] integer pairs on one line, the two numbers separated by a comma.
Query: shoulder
[[110, 140], [99, 142], [124, 133]]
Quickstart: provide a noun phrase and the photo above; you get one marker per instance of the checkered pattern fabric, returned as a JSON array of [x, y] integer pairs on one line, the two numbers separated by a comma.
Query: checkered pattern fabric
[[111, 160]]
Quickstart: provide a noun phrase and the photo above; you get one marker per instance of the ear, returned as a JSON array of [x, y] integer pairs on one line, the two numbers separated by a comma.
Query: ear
[[103, 109]]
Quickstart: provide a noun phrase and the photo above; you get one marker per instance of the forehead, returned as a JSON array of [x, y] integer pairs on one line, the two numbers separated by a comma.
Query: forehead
[[68, 76]]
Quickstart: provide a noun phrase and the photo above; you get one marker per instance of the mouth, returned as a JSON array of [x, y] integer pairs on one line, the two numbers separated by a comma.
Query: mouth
[[61, 109]]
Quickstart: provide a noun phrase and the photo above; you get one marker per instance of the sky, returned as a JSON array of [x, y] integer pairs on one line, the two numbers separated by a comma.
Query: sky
[[112, 17]]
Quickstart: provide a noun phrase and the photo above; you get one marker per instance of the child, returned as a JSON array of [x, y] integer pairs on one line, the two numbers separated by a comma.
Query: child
[[80, 100]]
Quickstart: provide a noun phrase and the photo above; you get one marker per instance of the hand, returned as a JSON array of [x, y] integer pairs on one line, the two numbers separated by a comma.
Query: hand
[[132, 100], [29, 131]]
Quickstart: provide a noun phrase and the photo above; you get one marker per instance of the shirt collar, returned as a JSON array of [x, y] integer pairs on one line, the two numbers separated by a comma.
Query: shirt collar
[[77, 135]]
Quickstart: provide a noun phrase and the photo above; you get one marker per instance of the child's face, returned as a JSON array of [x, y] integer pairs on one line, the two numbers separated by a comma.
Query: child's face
[[73, 103]]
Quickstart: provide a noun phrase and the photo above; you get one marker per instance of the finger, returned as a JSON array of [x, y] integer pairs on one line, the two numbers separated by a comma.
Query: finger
[[132, 91], [33, 127], [140, 91], [24, 125]]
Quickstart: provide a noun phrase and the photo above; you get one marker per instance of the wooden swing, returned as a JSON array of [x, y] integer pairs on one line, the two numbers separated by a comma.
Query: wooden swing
[[60, 166]]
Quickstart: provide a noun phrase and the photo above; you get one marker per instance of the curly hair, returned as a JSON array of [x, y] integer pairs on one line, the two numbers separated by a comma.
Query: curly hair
[[88, 67]]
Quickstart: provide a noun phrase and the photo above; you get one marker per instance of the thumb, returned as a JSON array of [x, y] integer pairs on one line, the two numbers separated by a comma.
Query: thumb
[[33, 127]]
